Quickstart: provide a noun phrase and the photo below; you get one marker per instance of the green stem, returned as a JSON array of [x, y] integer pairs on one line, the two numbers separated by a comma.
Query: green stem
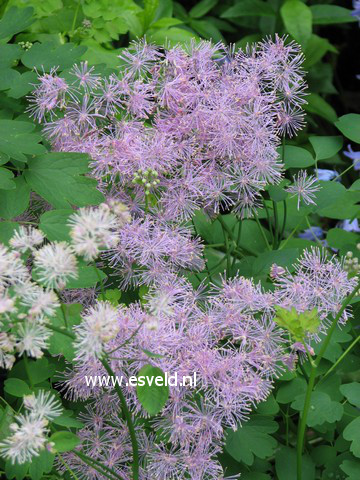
[[99, 467], [287, 426], [67, 466], [271, 229], [284, 223], [312, 233], [237, 246], [276, 221], [303, 371], [128, 340], [218, 264], [206, 246], [225, 227], [340, 359], [290, 236], [213, 245], [314, 366], [63, 310], [129, 421], [228, 259], [262, 231], [342, 173], [75, 18], [61, 330]]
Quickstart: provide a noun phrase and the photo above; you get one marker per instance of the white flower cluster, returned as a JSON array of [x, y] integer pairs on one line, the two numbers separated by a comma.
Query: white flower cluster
[[30, 430], [99, 325], [93, 230], [25, 306], [27, 302]]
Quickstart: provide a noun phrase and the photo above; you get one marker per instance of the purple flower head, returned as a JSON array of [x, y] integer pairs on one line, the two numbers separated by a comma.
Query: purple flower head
[[326, 175], [182, 112], [304, 187], [350, 225], [356, 12], [312, 233], [354, 156]]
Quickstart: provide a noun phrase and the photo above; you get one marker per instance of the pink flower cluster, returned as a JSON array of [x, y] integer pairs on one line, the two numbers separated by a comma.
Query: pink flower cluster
[[149, 249], [227, 336], [204, 121]]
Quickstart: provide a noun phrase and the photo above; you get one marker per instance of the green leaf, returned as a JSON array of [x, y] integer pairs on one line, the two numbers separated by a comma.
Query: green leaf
[[323, 454], [250, 237], [319, 106], [64, 441], [349, 126], [352, 434], [14, 202], [172, 35], [54, 224], [46, 55], [351, 468], [206, 29], [153, 397], [322, 408], [283, 258], [17, 139], [246, 8], [151, 354], [335, 349], [329, 194], [22, 84], [326, 147], [290, 390], [6, 419], [15, 20], [17, 470], [330, 14], [7, 231], [66, 420], [269, 407], [352, 392], [298, 324], [40, 370], [7, 78], [277, 193], [255, 476], [296, 157], [41, 464], [285, 465], [166, 23], [88, 277], [297, 18], [60, 344], [339, 238], [16, 387], [316, 48], [202, 8], [8, 54], [59, 178], [6, 179], [113, 295], [252, 439]]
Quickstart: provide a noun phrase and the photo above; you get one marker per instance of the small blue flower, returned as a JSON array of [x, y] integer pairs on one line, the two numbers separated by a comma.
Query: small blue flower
[[350, 226], [356, 12], [324, 174], [312, 233], [354, 156]]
